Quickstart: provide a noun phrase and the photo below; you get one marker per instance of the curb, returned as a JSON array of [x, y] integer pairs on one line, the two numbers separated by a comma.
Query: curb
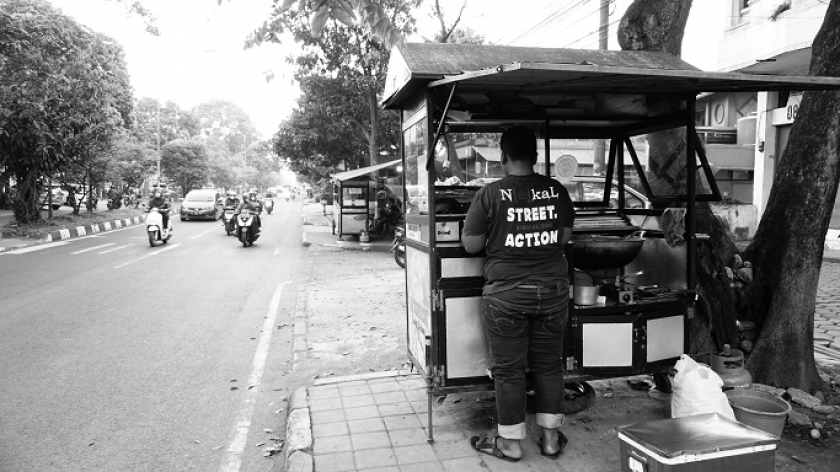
[[299, 434], [306, 241], [85, 230], [92, 229]]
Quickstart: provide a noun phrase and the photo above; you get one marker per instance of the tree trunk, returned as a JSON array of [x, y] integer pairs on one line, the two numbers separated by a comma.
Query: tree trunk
[[658, 25], [788, 246], [26, 208]]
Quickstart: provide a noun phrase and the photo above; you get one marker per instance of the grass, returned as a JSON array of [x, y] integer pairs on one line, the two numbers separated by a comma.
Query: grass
[[41, 229]]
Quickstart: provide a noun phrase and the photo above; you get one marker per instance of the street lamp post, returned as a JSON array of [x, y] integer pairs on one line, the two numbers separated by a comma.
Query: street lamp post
[[157, 123]]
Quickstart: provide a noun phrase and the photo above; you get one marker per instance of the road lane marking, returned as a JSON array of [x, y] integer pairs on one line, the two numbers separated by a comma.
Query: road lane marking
[[201, 234], [114, 249], [152, 254], [38, 247], [276, 251], [91, 249], [232, 460]]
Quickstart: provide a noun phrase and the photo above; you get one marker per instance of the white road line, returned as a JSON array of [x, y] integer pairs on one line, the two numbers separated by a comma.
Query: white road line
[[38, 247], [152, 254], [91, 249], [232, 460], [202, 234], [114, 249], [276, 251]]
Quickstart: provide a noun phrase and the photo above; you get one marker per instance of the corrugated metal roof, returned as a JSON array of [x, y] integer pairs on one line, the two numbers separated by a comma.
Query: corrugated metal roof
[[513, 70]]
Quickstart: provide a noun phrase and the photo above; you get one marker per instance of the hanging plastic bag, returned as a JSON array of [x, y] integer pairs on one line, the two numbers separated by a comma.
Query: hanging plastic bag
[[697, 389]]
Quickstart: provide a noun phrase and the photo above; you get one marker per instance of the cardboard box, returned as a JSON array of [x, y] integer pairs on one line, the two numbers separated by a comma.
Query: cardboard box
[[708, 442]]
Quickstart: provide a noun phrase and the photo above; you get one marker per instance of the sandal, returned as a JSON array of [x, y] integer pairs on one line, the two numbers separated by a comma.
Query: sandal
[[562, 439], [484, 445]]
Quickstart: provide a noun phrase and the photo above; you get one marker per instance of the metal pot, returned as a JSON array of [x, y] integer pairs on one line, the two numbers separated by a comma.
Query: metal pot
[[586, 295], [605, 252]]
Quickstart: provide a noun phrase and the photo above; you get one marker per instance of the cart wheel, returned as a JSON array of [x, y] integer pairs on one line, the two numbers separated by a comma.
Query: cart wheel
[[578, 397], [662, 382]]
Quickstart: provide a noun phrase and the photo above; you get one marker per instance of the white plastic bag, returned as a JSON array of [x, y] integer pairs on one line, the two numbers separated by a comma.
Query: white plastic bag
[[697, 389]]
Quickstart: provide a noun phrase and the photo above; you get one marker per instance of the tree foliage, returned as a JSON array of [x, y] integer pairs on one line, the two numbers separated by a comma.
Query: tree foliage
[[171, 121], [224, 122], [185, 161], [64, 96]]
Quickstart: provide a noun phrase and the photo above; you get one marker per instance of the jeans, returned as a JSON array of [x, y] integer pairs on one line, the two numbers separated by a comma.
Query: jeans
[[525, 328]]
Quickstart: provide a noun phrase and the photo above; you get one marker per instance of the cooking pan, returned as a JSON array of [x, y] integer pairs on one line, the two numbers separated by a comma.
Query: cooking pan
[[605, 252]]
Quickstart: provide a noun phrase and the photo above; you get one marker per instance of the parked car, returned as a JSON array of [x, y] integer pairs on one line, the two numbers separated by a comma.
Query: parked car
[[202, 204], [591, 189], [59, 197]]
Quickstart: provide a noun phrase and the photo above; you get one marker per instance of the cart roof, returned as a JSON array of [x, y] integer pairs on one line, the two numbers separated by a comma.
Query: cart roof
[[506, 69], [355, 173]]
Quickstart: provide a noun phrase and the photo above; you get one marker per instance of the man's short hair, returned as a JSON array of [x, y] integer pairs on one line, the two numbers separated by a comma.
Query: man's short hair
[[520, 144]]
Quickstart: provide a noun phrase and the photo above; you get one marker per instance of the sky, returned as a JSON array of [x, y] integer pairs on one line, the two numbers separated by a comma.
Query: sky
[[200, 53]]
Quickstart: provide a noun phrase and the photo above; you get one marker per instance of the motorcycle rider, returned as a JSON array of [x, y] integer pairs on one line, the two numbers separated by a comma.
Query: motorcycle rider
[[251, 202], [231, 201], [157, 201]]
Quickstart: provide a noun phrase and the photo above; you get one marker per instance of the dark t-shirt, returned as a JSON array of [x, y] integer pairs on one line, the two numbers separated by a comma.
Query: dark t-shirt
[[523, 218]]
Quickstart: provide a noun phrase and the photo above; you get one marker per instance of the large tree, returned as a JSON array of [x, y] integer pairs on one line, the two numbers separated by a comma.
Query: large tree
[[350, 55], [185, 162], [226, 123], [64, 95], [787, 250], [153, 121], [321, 130]]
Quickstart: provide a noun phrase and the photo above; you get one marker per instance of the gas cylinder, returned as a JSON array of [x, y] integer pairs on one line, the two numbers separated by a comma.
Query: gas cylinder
[[729, 365]]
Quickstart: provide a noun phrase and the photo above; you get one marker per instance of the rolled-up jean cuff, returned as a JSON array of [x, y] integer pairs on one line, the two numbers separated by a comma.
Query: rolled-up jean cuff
[[512, 431], [550, 420]]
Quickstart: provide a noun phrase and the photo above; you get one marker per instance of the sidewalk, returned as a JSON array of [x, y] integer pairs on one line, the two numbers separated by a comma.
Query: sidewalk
[[317, 230], [379, 421]]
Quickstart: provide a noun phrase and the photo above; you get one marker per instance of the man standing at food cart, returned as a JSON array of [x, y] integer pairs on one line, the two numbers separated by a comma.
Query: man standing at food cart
[[523, 222]]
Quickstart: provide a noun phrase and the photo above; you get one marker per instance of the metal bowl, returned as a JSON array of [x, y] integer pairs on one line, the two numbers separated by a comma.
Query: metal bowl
[[605, 252]]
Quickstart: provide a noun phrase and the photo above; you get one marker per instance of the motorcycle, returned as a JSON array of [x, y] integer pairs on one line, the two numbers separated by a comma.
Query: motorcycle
[[268, 203], [245, 231], [398, 246], [114, 203], [154, 227], [229, 220]]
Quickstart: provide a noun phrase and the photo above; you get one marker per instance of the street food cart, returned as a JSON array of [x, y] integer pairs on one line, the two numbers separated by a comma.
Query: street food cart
[[354, 199], [456, 99]]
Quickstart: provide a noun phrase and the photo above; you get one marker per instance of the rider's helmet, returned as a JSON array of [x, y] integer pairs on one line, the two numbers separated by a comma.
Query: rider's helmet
[[252, 194], [157, 193], [231, 194]]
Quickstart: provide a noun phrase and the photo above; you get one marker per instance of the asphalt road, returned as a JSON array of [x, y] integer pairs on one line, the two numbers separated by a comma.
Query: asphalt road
[[115, 356]]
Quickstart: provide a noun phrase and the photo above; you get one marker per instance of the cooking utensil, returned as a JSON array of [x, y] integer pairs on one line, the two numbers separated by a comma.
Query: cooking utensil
[[586, 295], [604, 252]]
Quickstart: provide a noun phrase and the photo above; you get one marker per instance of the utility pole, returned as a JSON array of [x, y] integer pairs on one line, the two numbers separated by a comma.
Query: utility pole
[[603, 40], [158, 139]]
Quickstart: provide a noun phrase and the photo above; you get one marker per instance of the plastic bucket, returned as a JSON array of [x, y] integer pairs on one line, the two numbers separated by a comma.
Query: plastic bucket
[[759, 410]]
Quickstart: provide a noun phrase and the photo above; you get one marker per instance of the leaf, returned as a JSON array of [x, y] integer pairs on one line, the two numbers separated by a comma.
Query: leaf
[[286, 5], [319, 21], [342, 16]]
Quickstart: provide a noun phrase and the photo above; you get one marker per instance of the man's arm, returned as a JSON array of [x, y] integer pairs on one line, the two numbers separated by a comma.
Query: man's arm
[[567, 235], [474, 244]]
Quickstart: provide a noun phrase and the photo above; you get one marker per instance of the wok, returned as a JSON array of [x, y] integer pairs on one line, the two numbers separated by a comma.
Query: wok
[[605, 252]]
